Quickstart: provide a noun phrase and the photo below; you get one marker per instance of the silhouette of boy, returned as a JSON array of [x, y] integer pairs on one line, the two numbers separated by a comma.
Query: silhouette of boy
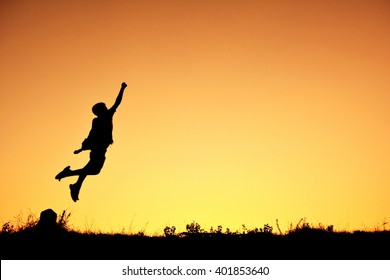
[[98, 140]]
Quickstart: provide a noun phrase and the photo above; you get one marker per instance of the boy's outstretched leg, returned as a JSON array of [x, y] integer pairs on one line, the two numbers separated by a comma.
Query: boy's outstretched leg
[[93, 167], [64, 173]]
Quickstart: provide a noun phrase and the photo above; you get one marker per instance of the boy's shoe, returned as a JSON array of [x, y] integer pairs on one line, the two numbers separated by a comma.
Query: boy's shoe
[[63, 173], [74, 191]]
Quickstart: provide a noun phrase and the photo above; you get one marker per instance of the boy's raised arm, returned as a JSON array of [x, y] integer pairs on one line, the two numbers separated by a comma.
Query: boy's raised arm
[[119, 97]]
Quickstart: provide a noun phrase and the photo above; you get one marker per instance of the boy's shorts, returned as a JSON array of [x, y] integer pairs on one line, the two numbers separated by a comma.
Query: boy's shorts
[[97, 158]]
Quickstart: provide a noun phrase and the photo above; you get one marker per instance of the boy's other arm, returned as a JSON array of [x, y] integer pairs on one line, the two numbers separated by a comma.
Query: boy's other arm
[[119, 97]]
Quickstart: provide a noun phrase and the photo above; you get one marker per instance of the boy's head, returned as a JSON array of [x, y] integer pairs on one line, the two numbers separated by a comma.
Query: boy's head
[[99, 109]]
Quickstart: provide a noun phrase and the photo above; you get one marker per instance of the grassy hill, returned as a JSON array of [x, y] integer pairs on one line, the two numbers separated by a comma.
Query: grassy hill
[[35, 240]]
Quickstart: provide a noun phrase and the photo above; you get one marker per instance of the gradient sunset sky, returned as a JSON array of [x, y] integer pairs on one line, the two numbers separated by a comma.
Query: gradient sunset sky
[[236, 112]]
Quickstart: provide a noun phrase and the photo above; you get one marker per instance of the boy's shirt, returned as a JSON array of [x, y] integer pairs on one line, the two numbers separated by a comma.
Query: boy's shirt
[[101, 131]]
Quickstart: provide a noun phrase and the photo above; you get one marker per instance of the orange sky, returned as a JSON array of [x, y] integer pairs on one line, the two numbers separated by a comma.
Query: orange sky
[[236, 112]]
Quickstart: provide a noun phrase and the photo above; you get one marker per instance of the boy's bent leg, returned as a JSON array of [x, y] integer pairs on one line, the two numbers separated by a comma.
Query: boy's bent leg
[[74, 192], [75, 188]]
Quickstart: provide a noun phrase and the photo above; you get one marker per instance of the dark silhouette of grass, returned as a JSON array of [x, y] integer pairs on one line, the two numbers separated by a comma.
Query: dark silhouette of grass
[[303, 241]]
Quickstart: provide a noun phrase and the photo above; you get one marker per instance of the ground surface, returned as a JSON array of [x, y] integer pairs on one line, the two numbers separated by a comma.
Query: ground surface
[[302, 245]]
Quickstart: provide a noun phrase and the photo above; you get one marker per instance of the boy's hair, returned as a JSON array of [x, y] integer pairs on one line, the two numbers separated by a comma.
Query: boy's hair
[[99, 108]]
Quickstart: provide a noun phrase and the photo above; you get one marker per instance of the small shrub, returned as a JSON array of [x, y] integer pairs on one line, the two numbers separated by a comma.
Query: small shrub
[[7, 228], [169, 231], [30, 222], [194, 228], [63, 220], [267, 229], [254, 231]]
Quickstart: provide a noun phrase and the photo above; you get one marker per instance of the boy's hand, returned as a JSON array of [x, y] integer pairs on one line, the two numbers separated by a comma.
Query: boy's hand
[[124, 85]]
